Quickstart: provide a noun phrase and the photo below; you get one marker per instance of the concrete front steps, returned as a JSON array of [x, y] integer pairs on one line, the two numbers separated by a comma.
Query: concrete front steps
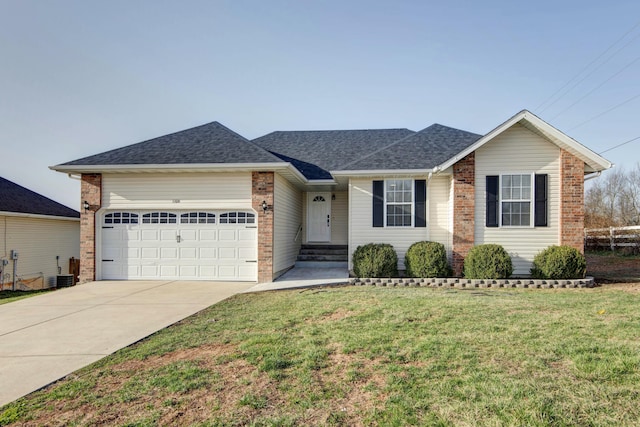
[[323, 256]]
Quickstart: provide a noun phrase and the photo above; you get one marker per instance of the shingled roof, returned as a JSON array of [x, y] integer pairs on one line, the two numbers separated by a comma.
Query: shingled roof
[[17, 199], [315, 153], [422, 150], [206, 144]]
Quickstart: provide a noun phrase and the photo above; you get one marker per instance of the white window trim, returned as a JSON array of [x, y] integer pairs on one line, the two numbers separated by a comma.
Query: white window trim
[[412, 203], [531, 200]]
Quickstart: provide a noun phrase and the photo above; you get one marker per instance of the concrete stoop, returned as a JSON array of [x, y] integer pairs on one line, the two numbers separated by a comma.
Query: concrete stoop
[[588, 282]]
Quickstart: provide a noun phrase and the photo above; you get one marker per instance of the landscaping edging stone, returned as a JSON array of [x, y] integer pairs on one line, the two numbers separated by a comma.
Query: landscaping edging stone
[[588, 282]]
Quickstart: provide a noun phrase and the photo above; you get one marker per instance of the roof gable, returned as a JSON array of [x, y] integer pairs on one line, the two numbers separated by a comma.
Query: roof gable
[[17, 199], [544, 129], [206, 144]]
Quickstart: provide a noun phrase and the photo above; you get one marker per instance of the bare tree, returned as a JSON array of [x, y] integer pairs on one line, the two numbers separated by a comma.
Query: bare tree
[[614, 199]]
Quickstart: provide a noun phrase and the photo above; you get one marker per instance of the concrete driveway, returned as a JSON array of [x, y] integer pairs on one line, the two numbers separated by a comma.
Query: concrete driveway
[[46, 337]]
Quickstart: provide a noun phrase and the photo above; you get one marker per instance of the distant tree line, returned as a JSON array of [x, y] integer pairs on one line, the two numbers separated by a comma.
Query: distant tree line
[[613, 200]]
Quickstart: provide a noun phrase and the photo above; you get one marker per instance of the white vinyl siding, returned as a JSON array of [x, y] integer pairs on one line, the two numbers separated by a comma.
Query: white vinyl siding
[[177, 190], [38, 242], [339, 219], [361, 230], [438, 205], [517, 151], [287, 218]]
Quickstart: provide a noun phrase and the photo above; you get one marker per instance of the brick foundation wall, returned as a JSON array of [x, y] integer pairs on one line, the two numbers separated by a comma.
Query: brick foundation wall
[[262, 190], [91, 192], [464, 179], [571, 201]]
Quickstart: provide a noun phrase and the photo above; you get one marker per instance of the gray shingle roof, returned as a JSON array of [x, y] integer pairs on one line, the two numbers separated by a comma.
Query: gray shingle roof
[[315, 153], [15, 198], [422, 150], [209, 143]]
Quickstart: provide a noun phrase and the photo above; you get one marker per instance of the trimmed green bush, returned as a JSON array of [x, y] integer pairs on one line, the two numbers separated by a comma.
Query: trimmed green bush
[[427, 259], [559, 262], [488, 261], [375, 260]]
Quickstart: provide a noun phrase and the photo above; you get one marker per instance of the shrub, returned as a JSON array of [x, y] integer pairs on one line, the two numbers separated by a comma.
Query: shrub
[[375, 260], [488, 261], [427, 259], [559, 262]]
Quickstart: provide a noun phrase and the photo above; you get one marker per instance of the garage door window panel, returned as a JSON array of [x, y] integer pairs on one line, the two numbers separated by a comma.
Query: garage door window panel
[[159, 218], [197, 218], [237, 218], [121, 218]]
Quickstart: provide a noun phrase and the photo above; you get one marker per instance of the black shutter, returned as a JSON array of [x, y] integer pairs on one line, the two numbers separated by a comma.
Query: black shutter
[[378, 203], [420, 214], [492, 200], [540, 207]]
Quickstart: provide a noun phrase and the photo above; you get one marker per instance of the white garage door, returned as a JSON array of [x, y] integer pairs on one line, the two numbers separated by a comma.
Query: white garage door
[[203, 245]]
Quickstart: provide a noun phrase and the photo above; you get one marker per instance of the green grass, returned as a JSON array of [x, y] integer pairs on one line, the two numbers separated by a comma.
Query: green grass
[[370, 356], [11, 296]]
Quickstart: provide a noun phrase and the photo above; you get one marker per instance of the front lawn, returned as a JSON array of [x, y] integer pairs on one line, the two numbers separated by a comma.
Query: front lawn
[[369, 356], [11, 296]]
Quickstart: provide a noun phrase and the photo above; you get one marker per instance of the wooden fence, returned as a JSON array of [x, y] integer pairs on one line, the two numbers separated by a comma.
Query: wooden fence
[[612, 238]]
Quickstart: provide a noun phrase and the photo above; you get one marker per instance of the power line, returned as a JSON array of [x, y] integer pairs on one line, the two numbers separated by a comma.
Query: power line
[[587, 67], [597, 87], [619, 145], [605, 112]]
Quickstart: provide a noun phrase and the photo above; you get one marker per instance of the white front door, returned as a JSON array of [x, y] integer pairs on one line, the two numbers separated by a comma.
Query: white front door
[[319, 217]]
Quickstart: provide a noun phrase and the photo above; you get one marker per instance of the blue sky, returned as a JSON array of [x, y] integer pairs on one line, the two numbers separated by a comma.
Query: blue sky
[[81, 77]]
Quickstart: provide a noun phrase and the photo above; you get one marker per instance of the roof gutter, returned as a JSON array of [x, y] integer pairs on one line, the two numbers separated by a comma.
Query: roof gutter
[[38, 216], [384, 172], [73, 171], [592, 175], [203, 167]]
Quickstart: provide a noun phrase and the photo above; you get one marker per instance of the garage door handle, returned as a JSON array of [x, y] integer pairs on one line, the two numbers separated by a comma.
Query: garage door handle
[[251, 226], [251, 261], [106, 227], [107, 260]]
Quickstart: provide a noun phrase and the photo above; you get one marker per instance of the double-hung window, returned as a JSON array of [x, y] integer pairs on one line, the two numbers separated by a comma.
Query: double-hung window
[[515, 200], [399, 202]]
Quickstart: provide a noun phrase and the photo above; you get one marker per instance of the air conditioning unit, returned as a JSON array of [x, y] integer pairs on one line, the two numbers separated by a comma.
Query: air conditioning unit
[[64, 280]]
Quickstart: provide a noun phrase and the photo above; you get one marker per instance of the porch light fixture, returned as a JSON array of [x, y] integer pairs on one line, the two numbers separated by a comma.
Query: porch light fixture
[[86, 205], [264, 206]]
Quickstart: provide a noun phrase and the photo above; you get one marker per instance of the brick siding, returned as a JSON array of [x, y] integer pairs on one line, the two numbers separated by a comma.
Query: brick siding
[[91, 192], [571, 201], [262, 190], [464, 178]]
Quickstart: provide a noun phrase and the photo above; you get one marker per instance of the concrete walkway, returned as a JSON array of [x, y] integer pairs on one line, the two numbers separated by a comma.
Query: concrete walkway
[[303, 278], [45, 337]]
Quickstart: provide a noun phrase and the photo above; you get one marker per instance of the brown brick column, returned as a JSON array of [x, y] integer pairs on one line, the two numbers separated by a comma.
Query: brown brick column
[[262, 190], [571, 201], [464, 178], [91, 192]]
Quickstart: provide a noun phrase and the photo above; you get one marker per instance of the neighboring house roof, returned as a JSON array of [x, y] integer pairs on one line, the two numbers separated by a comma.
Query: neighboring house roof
[[17, 199], [206, 144], [422, 150], [315, 153]]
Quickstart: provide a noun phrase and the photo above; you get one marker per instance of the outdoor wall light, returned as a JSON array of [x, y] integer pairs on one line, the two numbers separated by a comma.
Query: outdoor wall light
[[264, 206], [86, 205]]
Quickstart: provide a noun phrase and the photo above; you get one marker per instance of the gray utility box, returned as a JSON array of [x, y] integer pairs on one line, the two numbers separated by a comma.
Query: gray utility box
[[64, 280]]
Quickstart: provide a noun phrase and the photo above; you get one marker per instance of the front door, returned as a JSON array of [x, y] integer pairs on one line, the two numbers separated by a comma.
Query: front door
[[319, 217]]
